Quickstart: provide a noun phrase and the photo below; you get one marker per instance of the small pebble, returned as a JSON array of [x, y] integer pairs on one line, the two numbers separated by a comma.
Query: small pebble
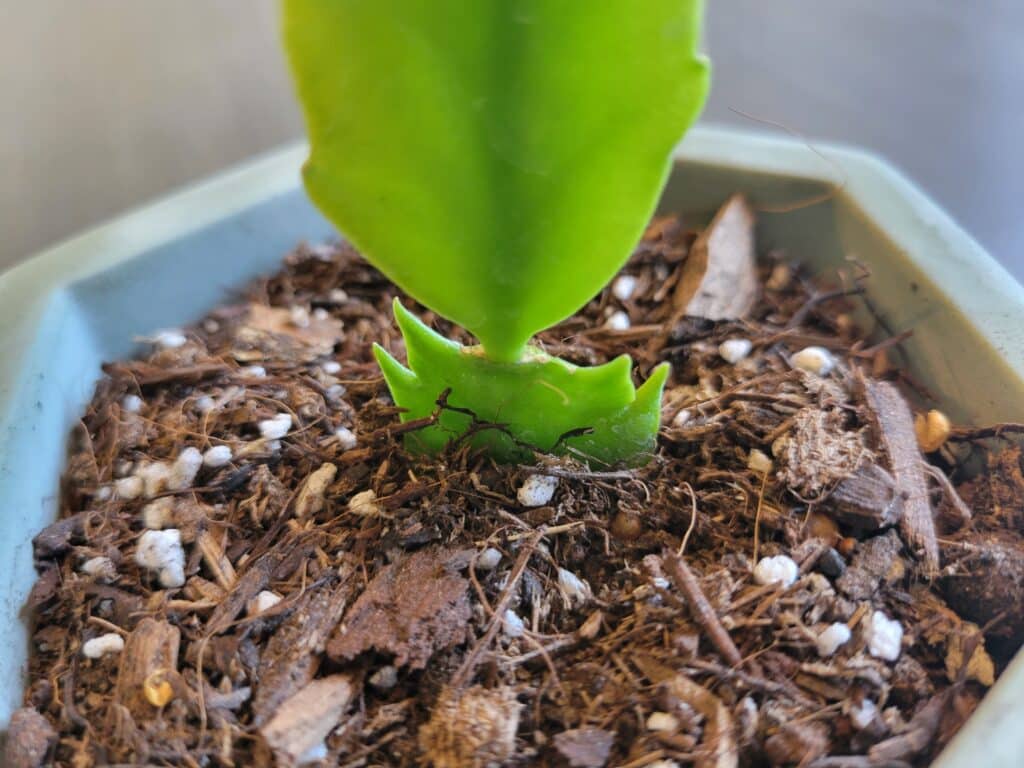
[[572, 587], [758, 461], [833, 636], [264, 601], [885, 637], [662, 722], [488, 559], [364, 503], [158, 514], [863, 714], [385, 678], [774, 570], [129, 488], [254, 372], [161, 551], [623, 287], [131, 403], [100, 646], [537, 490], [618, 321], [734, 350], [169, 338], [831, 563], [277, 427], [346, 438], [512, 625], [337, 296], [217, 456], [817, 360], [331, 367]]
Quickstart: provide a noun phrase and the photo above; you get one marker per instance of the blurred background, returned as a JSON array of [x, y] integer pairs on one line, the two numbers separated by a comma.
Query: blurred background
[[110, 103]]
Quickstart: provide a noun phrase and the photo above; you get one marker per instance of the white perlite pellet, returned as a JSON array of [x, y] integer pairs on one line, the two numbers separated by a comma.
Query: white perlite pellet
[[488, 559], [618, 321], [254, 371], [512, 625], [758, 461], [264, 601], [885, 637], [161, 551], [537, 490], [734, 350], [184, 469], [623, 287], [347, 439], [315, 754], [277, 427], [780, 569], [100, 646], [217, 456], [861, 715], [817, 360], [100, 568], [131, 403], [831, 638], [572, 587], [169, 338], [129, 488], [662, 722], [331, 367]]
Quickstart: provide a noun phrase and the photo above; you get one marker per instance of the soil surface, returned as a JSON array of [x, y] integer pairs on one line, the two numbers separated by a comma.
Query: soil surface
[[249, 568]]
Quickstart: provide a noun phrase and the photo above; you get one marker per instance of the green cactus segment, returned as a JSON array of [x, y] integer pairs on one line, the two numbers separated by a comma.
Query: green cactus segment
[[538, 400]]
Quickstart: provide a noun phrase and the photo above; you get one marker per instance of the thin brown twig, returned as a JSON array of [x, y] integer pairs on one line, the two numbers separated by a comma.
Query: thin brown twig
[[703, 613]]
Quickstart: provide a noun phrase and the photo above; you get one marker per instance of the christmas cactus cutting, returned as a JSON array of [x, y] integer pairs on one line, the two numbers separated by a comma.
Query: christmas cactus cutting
[[498, 160]]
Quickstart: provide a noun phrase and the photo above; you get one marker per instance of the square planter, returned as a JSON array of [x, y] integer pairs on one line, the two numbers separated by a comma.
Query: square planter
[[67, 310]]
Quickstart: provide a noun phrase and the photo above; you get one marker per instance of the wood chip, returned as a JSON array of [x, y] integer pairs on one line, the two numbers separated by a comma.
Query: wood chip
[[151, 650], [873, 564], [867, 499], [718, 280], [305, 720], [292, 655], [895, 424]]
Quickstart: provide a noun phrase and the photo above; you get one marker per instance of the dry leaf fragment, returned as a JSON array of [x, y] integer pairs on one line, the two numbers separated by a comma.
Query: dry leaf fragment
[[980, 666], [411, 608]]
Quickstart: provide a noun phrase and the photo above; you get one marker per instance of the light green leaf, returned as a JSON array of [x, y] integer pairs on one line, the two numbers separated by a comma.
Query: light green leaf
[[497, 159], [539, 400]]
